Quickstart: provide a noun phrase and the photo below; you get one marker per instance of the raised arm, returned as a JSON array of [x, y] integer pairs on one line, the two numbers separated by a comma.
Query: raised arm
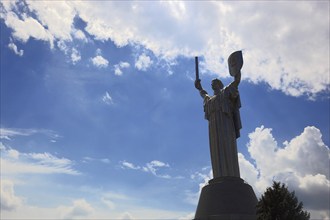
[[237, 79], [235, 63], [198, 86]]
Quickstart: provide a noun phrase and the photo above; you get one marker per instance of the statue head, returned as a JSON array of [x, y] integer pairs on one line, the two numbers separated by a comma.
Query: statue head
[[217, 85]]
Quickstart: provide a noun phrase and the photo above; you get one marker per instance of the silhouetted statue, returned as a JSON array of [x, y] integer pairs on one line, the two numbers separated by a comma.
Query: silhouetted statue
[[222, 112]]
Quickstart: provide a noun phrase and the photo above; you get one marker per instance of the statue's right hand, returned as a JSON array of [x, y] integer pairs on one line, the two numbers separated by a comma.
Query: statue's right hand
[[198, 84]]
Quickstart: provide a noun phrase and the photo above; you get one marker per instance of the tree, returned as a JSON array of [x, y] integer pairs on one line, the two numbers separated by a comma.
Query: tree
[[277, 203]]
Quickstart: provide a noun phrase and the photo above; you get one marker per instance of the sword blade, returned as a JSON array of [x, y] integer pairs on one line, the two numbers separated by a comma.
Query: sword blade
[[196, 67]]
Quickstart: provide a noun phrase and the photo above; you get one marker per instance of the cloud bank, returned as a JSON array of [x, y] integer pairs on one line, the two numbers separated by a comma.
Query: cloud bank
[[285, 44], [302, 163]]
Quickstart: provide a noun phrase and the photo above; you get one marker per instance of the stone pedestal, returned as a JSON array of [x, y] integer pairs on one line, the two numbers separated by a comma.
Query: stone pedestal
[[227, 198]]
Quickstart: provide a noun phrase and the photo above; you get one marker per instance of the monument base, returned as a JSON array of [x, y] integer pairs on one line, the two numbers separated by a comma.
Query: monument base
[[228, 198]]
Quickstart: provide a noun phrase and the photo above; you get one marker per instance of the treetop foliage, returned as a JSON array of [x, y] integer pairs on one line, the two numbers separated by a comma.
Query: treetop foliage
[[277, 203]]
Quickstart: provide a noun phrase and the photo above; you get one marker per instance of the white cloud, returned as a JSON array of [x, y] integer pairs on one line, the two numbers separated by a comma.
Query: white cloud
[[189, 216], [78, 34], [119, 67], [303, 155], [110, 204], [151, 167], [98, 51], [118, 71], [90, 159], [100, 61], [302, 163], [288, 50], [157, 163], [129, 165], [14, 154], [203, 178], [9, 201], [13, 47], [143, 62], [27, 27], [61, 44], [282, 57], [125, 205], [140, 212], [107, 99], [69, 50], [16, 162], [126, 216], [96, 203], [85, 209], [247, 170], [75, 56], [57, 16], [124, 64], [79, 209], [8, 133]]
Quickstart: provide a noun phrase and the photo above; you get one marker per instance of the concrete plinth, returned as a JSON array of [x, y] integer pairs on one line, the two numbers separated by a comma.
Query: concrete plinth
[[227, 198]]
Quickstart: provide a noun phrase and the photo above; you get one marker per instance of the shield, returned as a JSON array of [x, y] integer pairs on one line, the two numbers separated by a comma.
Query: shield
[[235, 62]]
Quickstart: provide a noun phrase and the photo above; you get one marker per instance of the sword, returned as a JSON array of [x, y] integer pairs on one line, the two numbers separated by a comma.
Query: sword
[[196, 67]]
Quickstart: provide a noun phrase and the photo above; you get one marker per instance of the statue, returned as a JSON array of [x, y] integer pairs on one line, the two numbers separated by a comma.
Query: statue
[[222, 112], [226, 196]]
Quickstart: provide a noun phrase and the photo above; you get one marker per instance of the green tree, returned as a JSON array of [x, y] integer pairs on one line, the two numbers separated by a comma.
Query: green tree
[[277, 203]]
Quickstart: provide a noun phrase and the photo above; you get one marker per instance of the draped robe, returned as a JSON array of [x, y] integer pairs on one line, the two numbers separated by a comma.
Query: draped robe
[[222, 112]]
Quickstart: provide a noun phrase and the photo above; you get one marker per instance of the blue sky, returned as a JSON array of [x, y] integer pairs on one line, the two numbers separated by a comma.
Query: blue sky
[[100, 117]]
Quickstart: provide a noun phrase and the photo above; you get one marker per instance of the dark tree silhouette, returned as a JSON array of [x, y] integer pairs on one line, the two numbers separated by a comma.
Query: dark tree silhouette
[[277, 203]]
